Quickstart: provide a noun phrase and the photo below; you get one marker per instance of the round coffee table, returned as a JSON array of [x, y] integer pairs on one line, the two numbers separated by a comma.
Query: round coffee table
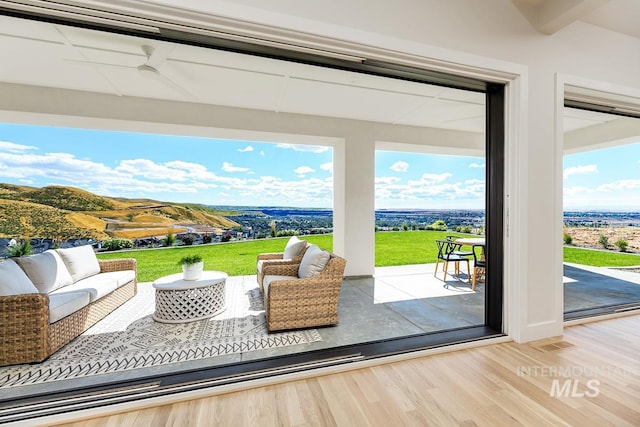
[[180, 301]]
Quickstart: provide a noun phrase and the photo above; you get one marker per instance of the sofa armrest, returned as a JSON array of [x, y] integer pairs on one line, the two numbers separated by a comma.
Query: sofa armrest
[[24, 323], [109, 265]]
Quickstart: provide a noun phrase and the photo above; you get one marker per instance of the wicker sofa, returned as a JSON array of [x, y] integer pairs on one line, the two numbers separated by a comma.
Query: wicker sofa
[[303, 294], [46, 300]]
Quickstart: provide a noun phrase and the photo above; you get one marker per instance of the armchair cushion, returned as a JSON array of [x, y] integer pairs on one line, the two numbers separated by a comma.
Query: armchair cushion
[[313, 262], [293, 248], [81, 261], [14, 281], [46, 270]]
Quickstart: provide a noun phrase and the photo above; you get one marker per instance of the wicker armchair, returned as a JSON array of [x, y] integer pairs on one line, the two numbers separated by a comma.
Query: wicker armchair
[[291, 302], [26, 336], [275, 258]]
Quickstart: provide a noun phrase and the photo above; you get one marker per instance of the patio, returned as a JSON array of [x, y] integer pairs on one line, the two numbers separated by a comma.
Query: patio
[[399, 301]]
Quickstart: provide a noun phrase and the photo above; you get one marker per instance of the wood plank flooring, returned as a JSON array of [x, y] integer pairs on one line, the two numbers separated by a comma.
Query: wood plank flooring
[[589, 377]]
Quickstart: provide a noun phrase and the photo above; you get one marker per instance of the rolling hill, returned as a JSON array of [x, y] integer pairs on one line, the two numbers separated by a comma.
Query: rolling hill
[[64, 212]]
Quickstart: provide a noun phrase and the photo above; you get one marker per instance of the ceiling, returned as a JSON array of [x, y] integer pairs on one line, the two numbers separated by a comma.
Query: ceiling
[[57, 56], [550, 16], [52, 55]]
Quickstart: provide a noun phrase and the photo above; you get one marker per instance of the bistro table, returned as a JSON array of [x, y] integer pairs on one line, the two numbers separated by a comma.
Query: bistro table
[[475, 241], [180, 301]]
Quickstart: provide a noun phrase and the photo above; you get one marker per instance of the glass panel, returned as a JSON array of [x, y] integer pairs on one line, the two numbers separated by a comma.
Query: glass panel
[[601, 212], [129, 186]]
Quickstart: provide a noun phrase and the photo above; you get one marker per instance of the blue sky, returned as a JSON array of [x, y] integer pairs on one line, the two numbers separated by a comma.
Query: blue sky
[[229, 172], [603, 179]]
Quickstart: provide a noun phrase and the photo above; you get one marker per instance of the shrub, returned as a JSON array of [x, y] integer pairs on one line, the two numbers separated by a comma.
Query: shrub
[[405, 227], [604, 241], [187, 240], [207, 238], [169, 240], [622, 245], [466, 229], [438, 225], [117, 244], [567, 238], [20, 249]]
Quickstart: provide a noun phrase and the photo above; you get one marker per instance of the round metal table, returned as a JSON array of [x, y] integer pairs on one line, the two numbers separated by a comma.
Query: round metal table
[[180, 301]]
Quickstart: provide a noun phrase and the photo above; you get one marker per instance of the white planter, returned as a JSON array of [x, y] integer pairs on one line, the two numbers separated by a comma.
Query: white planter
[[192, 271]]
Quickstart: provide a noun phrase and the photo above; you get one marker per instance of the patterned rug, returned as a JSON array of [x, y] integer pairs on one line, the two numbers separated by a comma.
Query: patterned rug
[[130, 339]]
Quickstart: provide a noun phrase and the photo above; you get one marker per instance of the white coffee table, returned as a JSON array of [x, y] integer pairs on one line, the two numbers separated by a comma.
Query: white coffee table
[[180, 301]]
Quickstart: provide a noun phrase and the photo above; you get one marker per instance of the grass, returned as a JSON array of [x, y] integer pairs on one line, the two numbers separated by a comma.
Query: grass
[[392, 248], [599, 258], [235, 259]]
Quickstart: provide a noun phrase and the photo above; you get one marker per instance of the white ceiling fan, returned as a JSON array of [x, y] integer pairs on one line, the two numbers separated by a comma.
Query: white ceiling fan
[[156, 57]]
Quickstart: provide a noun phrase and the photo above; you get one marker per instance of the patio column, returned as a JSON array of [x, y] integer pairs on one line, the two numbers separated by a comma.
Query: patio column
[[354, 204]]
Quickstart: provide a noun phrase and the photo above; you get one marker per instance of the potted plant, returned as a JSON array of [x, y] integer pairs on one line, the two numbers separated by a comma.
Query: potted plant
[[192, 266]]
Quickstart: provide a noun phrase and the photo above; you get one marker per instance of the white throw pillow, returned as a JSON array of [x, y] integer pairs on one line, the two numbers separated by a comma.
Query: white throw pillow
[[13, 281], [313, 262], [294, 248], [46, 270], [81, 261]]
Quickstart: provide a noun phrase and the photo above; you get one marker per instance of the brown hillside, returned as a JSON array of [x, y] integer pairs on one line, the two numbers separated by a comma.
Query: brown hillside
[[26, 219], [79, 213]]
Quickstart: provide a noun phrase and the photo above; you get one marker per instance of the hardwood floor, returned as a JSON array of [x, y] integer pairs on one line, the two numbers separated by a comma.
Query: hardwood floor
[[589, 377]]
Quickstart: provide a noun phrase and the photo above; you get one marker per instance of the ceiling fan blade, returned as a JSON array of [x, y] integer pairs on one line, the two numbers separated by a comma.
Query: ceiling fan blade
[[156, 56], [102, 64], [175, 86]]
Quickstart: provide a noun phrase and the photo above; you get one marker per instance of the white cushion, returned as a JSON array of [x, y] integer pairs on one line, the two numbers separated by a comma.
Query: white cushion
[[293, 248], [97, 286], [14, 281], [313, 262], [65, 303], [81, 261], [121, 277], [46, 270]]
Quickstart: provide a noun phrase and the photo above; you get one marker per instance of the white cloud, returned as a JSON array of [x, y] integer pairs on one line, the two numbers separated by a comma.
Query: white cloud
[[576, 170], [246, 149], [262, 152], [400, 166], [151, 170], [327, 167], [301, 171], [622, 185], [228, 167], [11, 147], [478, 165], [304, 148]]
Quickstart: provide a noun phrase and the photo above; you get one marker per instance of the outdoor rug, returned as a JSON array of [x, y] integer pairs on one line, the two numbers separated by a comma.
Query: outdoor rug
[[129, 338]]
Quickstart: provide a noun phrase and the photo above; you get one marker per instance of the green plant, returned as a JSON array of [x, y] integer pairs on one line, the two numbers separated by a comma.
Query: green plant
[[20, 249], [169, 240], [622, 245], [604, 241], [190, 259], [567, 238], [117, 244]]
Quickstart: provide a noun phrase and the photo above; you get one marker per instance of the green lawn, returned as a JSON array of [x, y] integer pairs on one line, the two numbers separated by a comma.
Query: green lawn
[[392, 248], [597, 258]]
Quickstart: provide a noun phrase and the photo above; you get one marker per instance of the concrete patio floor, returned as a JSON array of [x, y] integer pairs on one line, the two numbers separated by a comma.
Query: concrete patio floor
[[398, 301]]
